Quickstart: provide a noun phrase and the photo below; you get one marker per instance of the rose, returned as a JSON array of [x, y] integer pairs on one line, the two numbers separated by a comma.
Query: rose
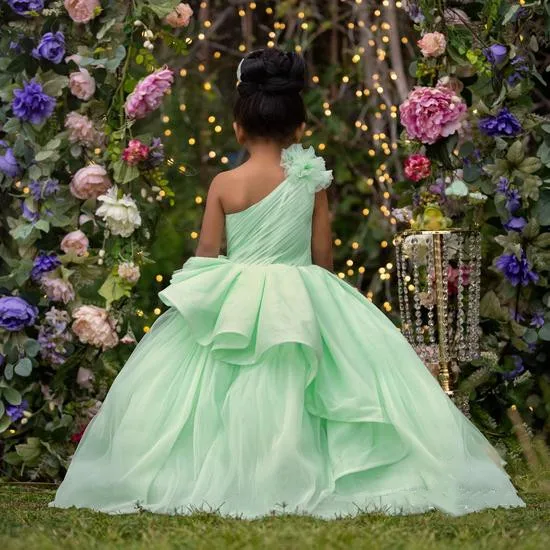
[[82, 84], [57, 289], [417, 167], [82, 11], [120, 215], [81, 129], [148, 93], [90, 182], [31, 104], [496, 54], [429, 114], [51, 47], [93, 325], [129, 272], [135, 153], [180, 17], [432, 44], [75, 241], [16, 313]]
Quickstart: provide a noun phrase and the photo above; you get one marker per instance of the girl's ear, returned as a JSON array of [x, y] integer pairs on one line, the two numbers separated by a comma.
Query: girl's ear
[[239, 133]]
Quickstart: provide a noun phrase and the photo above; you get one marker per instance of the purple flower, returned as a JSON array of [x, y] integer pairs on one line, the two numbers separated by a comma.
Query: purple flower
[[537, 320], [31, 103], [503, 184], [41, 190], [414, 11], [503, 124], [8, 162], [515, 224], [16, 313], [15, 412], [513, 200], [44, 263], [496, 54], [517, 271], [21, 7], [53, 336], [156, 153], [51, 47], [518, 368], [29, 214]]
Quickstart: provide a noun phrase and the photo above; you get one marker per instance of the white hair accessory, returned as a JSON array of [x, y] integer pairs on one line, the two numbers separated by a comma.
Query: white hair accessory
[[239, 69]]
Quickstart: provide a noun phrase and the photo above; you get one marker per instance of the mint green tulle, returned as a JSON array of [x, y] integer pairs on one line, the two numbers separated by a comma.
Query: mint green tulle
[[271, 384]]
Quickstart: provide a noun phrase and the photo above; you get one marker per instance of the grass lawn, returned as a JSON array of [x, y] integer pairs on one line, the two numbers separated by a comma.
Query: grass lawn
[[26, 523]]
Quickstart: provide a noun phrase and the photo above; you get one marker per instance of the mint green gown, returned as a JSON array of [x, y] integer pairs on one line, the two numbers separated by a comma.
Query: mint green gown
[[269, 384]]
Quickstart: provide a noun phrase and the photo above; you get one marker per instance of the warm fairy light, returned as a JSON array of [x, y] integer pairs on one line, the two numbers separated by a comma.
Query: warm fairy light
[[380, 90], [298, 48], [309, 133], [201, 67], [157, 311], [194, 234], [97, 151], [364, 127], [165, 119], [337, 242], [139, 312], [242, 48], [198, 199], [321, 146], [211, 119], [398, 4], [183, 72], [373, 28], [410, 288], [366, 211], [182, 168], [201, 36], [372, 43], [224, 160], [389, 265], [345, 78], [192, 141], [351, 25], [349, 263], [270, 44], [341, 275], [242, 13], [269, 11], [387, 306], [326, 105], [384, 244], [355, 245], [252, 5], [377, 13], [356, 58], [315, 79], [212, 154], [328, 112], [217, 129], [386, 195], [358, 124], [404, 40], [207, 24], [361, 270], [207, 86], [301, 15], [146, 329], [358, 93], [168, 133], [26, 190], [372, 152], [304, 26], [183, 106], [159, 278], [217, 55]]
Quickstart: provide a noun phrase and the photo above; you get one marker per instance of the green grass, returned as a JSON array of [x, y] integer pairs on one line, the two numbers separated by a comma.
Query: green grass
[[26, 523]]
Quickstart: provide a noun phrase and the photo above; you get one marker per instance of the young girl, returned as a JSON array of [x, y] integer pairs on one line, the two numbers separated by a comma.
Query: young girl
[[270, 384]]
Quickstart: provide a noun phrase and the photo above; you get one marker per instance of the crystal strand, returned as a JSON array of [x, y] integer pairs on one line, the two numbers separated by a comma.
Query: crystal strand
[[475, 349], [444, 274], [417, 306], [460, 300], [408, 319], [400, 283], [431, 297]]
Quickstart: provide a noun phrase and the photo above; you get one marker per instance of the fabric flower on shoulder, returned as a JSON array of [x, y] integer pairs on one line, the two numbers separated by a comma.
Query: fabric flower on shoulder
[[303, 164]]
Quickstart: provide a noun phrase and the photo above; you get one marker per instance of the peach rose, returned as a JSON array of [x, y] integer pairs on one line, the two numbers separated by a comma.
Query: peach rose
[[82, 84], [180, 17], [90, 182], [82, 11], [57, 289], [432, 44], [93, 325], [81, 129], [129, 272], [76, 242]]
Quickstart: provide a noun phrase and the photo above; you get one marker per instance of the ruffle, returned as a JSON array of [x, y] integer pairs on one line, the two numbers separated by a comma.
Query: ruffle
[[303, 164]]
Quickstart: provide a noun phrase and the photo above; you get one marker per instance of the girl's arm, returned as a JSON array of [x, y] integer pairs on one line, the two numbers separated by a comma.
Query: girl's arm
[[321, 237], [213, 221]]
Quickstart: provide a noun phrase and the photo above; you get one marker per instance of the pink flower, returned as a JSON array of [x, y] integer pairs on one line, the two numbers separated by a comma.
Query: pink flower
[[135, 152], [82, 11], [84, 378], [82, 84], [417, 167], [432, 44], [129, 272], [57, 289], [90, 182], [452, 278], [180, 17], [81, 129], [93, 325], [429, 114], [76, 242], [128, 339], [148, 93]]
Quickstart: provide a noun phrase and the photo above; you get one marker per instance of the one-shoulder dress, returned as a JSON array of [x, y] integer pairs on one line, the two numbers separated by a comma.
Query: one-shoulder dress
[[271, 385]]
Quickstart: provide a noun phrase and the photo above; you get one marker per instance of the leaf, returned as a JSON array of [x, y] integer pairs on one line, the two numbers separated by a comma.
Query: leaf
[[530, 165], [161, 7], [5, 421], [29, 451], [510, 14], [8, 371], [32, 347], [2, 408], [103, 31], [43, 155], [471, 172], [42, 225], [113, 289], [490, 307], [55, 85], [530, 189], [544, 332], [112, 64], [12, 396], [24, 367], [542, 209], [122, 173], [532, 229], [457, 189], [21, 232], [515, 154], [35, 172]]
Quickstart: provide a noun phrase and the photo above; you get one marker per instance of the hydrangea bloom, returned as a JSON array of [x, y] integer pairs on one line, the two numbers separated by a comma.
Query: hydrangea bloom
[[8, 163], [496, 54], [429, 114], [503, 124], [42, 189], [515, 224], [51, 47], [16, 412], [516, 270], [44, 263], [31, 104], [148, 93], [53, 335], [537, 320], [16, 313]]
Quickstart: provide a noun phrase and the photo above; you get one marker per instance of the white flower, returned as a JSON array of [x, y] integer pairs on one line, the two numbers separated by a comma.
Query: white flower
[[121, 215]]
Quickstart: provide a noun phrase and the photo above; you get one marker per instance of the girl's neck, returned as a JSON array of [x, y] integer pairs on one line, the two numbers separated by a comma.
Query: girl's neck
[[265, 151]]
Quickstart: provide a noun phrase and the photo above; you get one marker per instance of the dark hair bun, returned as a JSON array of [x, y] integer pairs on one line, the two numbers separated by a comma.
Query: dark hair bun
[[272, 71]]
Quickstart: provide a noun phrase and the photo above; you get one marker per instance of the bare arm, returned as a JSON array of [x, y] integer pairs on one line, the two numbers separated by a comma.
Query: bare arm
[[321, 238], [213, 221]]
